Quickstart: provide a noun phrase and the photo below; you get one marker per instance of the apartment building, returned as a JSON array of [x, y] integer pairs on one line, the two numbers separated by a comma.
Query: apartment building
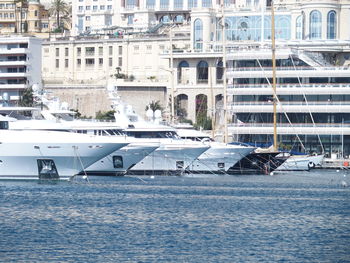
[[20, 66]]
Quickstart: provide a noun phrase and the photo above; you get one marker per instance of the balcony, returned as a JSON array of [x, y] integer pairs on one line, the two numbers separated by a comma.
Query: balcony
[[13, 86], [14, 75], [287, 129], [288, 72], [5, 51], [13, 63], [289, 107], [290, 89]]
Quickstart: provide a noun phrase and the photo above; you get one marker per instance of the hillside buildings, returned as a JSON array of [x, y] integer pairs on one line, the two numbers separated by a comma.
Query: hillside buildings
[[172, 51]]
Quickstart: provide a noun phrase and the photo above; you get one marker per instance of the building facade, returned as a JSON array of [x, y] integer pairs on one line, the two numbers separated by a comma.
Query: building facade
[[27, 17], [20, 60]]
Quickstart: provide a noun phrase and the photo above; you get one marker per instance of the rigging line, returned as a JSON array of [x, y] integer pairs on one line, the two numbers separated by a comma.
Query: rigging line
[[284, 112], [307, 104], [81, 163]]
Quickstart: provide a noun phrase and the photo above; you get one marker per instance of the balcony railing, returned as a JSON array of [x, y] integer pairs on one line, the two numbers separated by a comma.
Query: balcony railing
[[230, 70]]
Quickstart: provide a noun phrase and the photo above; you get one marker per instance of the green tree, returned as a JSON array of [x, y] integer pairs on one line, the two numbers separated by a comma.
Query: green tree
[[105, 115], [61, 10], [26, 99], [154, 105]]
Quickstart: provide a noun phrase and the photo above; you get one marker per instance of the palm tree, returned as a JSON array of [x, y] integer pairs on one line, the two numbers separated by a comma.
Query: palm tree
[[60, 9]]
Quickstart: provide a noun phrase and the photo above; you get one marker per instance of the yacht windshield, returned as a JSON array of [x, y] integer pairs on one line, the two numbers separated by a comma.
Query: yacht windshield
[[152, 134]]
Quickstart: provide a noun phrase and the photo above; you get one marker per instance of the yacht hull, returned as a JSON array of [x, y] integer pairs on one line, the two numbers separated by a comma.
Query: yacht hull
[[218, 159], [118, 162], [49, 155], [301, 163], [168, 160]]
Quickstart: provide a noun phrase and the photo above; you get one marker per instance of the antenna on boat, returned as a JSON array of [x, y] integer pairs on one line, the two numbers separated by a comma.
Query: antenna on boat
[[273, 48], [223, 27]]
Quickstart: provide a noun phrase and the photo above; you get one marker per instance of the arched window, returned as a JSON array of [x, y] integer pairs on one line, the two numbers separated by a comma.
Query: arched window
[[219, 72], [183, 73], [315, 25], [202, 72], [165, 19], [179, 19], [299, 27], [198, 34], [181, 106], [331, 25]]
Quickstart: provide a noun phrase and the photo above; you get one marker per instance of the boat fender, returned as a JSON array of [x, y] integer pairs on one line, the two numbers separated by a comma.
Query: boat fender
[[311, 165]]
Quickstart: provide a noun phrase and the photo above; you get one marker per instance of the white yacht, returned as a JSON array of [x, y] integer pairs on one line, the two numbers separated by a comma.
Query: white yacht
[[218, 158], [49, 154]]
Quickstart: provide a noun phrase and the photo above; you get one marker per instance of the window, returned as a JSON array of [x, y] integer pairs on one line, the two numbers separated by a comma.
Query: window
[[87, 18], [181, 72], [110, 50], [198, 34], [79, 62], [192, 3], [315, 25], [130, 19], [130, 4], [88, 7], [149, 47], [100, 61], [136, 48], [202, 72], [79, 51], [118, 161], [57, 52], [109, 7], [164, 4], [150, 4], [120, 50], [100, 51], [206, 3], [89, 51], [57, 63], [219, 72], [299, 27], [66, 52], [110, 62], [331, 25], [80, 8], [120, 61], [66, 63], [178, 4], [102, 7], [94, 8], [89, 62]]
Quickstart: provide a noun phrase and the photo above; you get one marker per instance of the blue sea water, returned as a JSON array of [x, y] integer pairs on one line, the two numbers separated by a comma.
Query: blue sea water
[[290, 217]]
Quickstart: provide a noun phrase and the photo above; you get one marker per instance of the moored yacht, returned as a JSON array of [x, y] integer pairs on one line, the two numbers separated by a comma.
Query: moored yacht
[[218, 158], [49, 154]]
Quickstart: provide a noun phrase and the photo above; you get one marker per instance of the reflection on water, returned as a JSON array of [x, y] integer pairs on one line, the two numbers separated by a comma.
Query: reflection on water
[[294, 217]]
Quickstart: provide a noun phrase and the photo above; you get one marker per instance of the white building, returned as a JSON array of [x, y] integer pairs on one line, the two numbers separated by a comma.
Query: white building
[[20, 61]]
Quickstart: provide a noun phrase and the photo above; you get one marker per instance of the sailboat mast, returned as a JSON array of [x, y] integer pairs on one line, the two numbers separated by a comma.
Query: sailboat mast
[[273, 41], [224, 70]]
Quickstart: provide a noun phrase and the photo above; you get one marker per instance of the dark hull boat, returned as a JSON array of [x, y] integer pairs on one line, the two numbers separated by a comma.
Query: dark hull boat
[[257, 163]]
